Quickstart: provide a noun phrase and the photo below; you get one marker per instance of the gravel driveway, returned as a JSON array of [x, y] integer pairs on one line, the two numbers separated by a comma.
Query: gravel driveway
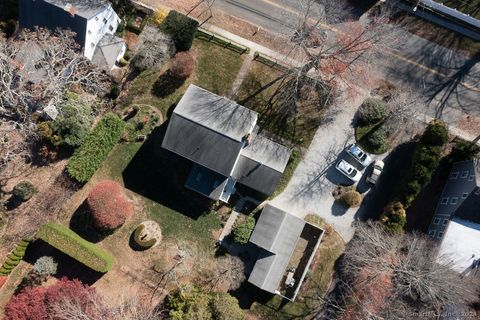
[[310, 188]]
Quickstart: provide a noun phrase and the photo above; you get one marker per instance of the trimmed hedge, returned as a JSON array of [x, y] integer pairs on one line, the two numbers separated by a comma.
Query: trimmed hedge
[[14, 258], [73, 245], [181, 28], [95, 148]]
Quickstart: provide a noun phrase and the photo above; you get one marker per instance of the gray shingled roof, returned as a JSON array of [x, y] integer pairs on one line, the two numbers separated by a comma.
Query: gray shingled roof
[[216, 113], [261, 164], [201, 145], [84, 8], [470, 208], [206, 182], [277, 233], [107, 51]]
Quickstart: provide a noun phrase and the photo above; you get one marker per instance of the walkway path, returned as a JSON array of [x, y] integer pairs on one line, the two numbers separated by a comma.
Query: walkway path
[[228, 226], [240, 76]]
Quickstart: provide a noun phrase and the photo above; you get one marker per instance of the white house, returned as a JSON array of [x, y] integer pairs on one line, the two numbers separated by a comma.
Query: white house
[[93, 21]]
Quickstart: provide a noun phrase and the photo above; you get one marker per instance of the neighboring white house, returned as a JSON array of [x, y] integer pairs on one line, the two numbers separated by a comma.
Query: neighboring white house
[[94, 22]]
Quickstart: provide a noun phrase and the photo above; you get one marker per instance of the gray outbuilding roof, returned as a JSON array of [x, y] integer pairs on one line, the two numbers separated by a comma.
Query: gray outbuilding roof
[[107, 51], [277, 233], [84, 8]]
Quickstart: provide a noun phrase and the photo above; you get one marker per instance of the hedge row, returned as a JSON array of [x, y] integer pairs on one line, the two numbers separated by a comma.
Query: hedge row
[[424, 162], [14, 258], [76, 247], [181, 28], [95, 148]]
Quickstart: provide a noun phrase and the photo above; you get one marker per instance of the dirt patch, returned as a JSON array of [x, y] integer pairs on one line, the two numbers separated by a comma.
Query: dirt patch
[[470, 124]]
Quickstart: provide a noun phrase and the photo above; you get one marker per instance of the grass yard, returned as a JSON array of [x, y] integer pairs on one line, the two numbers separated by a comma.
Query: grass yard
[[215, 74], [320, 275], [292, 164], [297, 129], [155, 186]]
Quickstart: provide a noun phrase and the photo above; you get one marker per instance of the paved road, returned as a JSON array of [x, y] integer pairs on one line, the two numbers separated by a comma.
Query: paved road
[[449, 81]]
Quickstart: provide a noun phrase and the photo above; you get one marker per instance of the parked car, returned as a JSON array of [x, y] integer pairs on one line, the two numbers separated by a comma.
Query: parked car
[[348, 170], [376, 172], [358, 154]]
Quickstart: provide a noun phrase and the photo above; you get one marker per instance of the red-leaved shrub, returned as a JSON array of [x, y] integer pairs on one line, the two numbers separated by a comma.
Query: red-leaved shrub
[[39, 302], [3, 279], [109, 206], [182, 65]]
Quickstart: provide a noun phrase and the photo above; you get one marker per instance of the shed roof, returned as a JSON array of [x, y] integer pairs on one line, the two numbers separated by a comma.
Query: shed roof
[[107, 51], [84, 8], [217, 113], [277, 233]]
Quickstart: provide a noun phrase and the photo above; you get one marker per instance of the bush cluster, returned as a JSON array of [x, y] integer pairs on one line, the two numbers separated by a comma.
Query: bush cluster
[[14, 258], [351, 199], [425, 160], [464, 150], [95, 148], [23, 191], [37, 302], [109, 206], [196, 304], [394, 217], [242, 230], [371, 111], [73, 245], [45, 266], [181, 28]]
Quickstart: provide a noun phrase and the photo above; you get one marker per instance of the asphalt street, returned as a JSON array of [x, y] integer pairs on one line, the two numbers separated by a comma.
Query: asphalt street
[[450, 82]]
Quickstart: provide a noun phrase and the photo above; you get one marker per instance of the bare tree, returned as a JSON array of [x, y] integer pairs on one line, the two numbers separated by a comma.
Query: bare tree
[[156, 49], [36, 69], [227, 273], [389, 275]]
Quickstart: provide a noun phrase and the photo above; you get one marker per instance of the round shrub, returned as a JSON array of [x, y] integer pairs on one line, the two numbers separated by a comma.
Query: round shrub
[[243, 230], [436, 133], [24, 190], [394, 217], [224, 306], [429, 156], [109, 207], [45, 266], [182, 65], [351, 199], [372, 111]]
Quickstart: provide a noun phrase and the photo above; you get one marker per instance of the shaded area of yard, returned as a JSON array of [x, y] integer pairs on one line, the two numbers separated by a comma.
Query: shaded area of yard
[[298, 128], [216, 69], [292, 164], [362, 133], [317, 282], [385, 190]]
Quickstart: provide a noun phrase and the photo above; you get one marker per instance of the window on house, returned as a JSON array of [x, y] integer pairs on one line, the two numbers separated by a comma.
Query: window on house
[[89, 32], [454, 175], [92, 44], [440, 235], [445, 221], [105, 21], [96, 18], [110, 28], [453, 200], [436, 221], [471, 177], [431, 233], [464, 174], [444, 200], [464, 195]]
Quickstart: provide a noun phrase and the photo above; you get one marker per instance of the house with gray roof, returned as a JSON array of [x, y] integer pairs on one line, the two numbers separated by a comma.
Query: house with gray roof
[[93, 21], [464, 178], [456, 223], [279, 234], [220, 137]]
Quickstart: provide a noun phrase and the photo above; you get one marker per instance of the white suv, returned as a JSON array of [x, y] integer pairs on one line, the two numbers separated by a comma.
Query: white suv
[[348, 170], [358, 154]]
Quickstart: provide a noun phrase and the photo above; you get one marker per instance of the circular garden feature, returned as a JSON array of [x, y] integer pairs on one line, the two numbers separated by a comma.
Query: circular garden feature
[[109, 206], [148, 234]]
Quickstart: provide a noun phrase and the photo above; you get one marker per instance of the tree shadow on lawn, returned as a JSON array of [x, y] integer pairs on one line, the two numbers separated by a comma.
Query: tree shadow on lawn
[[160, 175], [67, 266], [166, 84], [385, 189]]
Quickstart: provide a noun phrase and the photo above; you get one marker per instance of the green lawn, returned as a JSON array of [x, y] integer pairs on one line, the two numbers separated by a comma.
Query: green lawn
[[216, 70], [292, 164], [316, 285], [153, 180], [298, 129]]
